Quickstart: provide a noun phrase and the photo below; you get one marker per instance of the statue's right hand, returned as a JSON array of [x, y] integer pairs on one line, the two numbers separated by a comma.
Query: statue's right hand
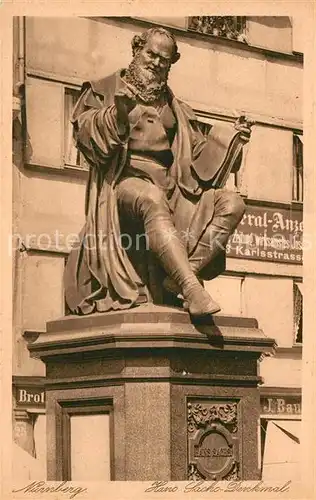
[[125, 102]]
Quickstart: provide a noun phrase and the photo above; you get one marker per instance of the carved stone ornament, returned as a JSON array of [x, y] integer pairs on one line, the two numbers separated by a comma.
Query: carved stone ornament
[[200, 416], [232, 27], [233, 474], [193, 473], [213, 443]]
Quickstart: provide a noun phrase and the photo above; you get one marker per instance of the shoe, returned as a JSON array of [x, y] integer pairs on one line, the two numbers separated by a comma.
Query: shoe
[[200, 304]]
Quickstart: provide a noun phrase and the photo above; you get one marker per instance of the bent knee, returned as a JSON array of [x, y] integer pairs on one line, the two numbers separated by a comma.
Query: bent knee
[[237, 205], [230, 203]]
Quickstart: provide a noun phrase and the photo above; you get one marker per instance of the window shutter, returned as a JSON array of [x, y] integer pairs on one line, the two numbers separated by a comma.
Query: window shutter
[[44, 123]]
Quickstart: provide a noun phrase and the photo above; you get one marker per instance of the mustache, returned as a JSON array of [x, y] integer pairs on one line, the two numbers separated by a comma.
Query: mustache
[[152, 72], [149, 82]]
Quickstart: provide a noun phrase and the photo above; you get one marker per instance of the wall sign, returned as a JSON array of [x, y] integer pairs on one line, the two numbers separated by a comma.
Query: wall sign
[[269, 234], [288, 405], [30, 396], [213, 441]]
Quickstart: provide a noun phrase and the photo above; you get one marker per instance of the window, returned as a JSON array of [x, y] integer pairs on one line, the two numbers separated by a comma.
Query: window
[[265, 32], [280, 449], [231, 27], [235, 180], [40, 441], [44, 122], [297, 194], [49, 140], [298, 312], [72, 157], [87, 450]]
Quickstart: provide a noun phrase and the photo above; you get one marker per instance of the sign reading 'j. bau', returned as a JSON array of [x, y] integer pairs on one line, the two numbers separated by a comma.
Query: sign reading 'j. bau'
[[269, 234]]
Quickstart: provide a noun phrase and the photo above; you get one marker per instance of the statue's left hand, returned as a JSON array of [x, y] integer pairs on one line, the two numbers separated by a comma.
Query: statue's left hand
[[243, 125]]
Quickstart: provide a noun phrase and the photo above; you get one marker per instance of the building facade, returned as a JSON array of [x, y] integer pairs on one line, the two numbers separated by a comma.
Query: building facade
[[229, 66]]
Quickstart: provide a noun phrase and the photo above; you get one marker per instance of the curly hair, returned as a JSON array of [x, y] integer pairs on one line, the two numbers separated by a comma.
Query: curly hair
[[139, 41]]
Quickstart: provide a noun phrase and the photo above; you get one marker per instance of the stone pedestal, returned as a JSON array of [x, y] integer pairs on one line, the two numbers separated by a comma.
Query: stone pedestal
[[184, 398]]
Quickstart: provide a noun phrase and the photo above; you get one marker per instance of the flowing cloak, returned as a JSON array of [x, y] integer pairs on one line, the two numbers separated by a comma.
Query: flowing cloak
[[99, 274]]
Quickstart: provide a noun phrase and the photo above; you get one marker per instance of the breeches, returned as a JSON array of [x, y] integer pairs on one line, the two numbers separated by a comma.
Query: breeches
[[144, 201]]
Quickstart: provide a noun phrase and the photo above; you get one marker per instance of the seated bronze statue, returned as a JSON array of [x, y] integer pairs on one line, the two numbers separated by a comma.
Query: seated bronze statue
[[152, 182]]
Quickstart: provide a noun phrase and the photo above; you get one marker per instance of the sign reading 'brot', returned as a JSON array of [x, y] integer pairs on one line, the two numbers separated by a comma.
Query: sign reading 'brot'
[[30, 396]]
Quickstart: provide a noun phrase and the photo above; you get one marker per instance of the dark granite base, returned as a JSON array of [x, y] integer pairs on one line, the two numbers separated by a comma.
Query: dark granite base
[[184, 397]]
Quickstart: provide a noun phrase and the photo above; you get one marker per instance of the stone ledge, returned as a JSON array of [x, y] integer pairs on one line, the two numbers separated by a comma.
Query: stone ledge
[[150, 327], [106, 381], [146, 313]]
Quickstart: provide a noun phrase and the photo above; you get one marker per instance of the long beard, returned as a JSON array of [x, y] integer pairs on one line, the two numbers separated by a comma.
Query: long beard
[[150, 87]]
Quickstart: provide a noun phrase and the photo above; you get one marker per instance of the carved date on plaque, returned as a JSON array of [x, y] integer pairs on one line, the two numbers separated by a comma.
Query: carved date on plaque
[[213, 441]]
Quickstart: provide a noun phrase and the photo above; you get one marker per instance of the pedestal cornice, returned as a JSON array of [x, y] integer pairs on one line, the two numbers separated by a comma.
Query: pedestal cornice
[[150, 326]]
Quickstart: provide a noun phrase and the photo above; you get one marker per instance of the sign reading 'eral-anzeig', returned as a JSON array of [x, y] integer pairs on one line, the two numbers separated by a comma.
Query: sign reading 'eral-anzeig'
[[268, 234]]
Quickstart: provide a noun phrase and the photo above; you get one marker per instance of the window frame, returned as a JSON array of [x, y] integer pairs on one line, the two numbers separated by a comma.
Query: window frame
[[67, 89], [243, 33], [298, 169], [298, 324], [34, 159], [34, 155], [243, 45]]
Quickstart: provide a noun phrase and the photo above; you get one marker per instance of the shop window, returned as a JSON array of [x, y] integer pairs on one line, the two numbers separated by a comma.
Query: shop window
[[29, 450], [72, 157], [297, 194], [40, 441], [280, 450], [87, 441], [235, 181], [231, 27], [298, 312]]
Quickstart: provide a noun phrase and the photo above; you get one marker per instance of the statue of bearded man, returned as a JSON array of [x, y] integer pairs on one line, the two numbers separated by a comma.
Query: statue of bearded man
[[151, 173]]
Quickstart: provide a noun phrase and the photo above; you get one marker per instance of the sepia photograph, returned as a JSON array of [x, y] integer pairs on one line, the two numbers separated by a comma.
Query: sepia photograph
[[157, 252]]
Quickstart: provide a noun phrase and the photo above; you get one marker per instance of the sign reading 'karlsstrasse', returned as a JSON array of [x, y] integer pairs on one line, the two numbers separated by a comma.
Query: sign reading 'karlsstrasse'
[[269, 234]]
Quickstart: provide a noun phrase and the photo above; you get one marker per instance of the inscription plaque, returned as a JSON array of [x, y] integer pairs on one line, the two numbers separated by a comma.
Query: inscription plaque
[[212, 441]]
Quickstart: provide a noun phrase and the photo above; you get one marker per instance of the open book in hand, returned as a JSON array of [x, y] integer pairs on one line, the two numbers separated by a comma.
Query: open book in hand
[[221, 154]]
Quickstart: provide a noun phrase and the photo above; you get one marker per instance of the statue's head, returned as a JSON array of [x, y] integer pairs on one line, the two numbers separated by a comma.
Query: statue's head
[[154, 51]]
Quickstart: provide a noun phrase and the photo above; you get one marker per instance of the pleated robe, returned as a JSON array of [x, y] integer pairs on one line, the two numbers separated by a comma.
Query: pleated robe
[[99, 274]]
